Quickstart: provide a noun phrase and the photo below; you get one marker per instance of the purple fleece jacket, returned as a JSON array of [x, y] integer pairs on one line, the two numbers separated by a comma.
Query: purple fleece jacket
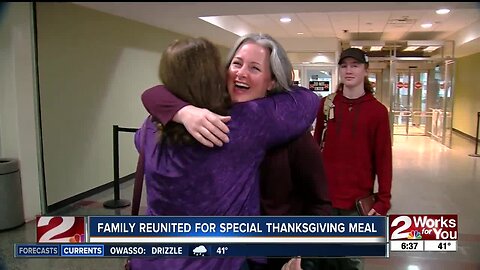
[[194, 180]]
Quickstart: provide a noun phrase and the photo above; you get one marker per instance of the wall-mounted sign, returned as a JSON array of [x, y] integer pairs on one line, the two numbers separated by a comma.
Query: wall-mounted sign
[[418, 85], [319, 85]]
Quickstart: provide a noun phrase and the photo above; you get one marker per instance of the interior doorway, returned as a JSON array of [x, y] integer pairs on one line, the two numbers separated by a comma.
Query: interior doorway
[[421, 98], [321, 79]]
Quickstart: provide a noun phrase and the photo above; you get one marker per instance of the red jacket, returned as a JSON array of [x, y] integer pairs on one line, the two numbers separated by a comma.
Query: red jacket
[[358, 148]]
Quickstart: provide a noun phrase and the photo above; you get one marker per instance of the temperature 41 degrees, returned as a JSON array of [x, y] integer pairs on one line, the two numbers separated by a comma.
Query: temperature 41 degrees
[[222, 250]]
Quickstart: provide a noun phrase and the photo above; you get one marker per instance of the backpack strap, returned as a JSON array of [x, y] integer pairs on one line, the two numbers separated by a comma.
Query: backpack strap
[[328, 104], [328, 111]]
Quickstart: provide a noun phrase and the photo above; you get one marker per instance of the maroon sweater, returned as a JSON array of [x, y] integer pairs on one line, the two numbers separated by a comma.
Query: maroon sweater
[[292, 176], [358, 148], [293, 180]]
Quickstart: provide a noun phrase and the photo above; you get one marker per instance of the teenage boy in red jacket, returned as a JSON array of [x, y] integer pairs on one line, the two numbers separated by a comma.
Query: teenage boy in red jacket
[[356, 146]]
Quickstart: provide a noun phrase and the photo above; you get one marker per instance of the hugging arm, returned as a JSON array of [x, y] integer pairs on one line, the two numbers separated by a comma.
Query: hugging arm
[[283, 116], [286, 114], [205, 126], [161, 104], [293, 264]]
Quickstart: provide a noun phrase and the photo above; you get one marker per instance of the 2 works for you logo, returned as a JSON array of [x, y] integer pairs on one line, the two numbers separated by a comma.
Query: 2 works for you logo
[[423, 227], [60, 229]]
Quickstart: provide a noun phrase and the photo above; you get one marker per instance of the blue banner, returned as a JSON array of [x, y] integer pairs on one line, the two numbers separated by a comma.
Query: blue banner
[[36, 250], [79, 250], [245, 226], [199, 250]]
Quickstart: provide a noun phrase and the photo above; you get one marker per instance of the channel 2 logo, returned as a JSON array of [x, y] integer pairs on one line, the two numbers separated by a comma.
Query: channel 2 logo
[[423, 227], [60, 229]]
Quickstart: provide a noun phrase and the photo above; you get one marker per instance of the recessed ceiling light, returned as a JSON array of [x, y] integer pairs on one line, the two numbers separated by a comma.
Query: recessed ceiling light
[[320, 59], [285, 20], [411, 48], [300, 33], [376, 48], [431, 48], [426, 25], [442, 11]]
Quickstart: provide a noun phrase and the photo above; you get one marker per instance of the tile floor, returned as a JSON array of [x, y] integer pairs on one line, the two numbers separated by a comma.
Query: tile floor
[[428, 178]]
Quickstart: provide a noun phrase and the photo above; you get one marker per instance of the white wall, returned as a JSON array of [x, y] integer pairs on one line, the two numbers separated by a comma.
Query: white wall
[[466, 98], [18, 132], [467, 40], [310, 44], [93, 68]]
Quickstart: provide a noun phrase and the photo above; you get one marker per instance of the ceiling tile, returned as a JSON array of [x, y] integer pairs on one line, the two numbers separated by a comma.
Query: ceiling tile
[[362, 20]]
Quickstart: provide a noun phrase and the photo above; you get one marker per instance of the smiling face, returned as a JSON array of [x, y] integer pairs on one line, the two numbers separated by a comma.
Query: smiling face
[[352, 72], [249, 74]]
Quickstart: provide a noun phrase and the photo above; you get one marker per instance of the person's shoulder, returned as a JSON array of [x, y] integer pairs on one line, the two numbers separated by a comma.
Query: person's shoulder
[[153, 92], [249, 112], [257, 103], [381, 106], [158, 86], [376, 103], [334, 96], [249, 105], [378, 109], [305, 140], [149, 123]]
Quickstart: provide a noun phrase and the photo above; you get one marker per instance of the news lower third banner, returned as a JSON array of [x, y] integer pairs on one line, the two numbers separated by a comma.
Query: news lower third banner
[[231, 230], [271, 236], [199, 250], [175, 236]]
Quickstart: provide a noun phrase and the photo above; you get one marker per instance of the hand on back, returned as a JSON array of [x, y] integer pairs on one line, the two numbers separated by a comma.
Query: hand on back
[[293, 264], [206, 127]]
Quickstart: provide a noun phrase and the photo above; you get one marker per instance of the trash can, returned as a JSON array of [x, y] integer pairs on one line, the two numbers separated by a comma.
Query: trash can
[[11, 200]]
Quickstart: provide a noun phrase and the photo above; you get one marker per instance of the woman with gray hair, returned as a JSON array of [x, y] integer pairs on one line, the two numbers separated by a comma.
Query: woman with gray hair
[[292, 180], [280, 66]]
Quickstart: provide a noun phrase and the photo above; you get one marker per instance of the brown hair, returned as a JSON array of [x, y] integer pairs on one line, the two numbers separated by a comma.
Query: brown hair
[[192, 70]]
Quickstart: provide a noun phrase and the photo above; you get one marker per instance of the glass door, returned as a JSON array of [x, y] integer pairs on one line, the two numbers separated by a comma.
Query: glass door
[[420, 114], [440, 101], [401, 108], [422, 98], [409, 106], [319, 79]]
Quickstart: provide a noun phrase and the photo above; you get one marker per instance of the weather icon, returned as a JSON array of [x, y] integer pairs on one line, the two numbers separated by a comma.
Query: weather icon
[[200, 251], [414, 235]]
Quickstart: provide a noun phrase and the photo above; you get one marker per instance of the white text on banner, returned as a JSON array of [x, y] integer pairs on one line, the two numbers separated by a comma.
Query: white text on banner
[[438, 245], [309, 240]]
